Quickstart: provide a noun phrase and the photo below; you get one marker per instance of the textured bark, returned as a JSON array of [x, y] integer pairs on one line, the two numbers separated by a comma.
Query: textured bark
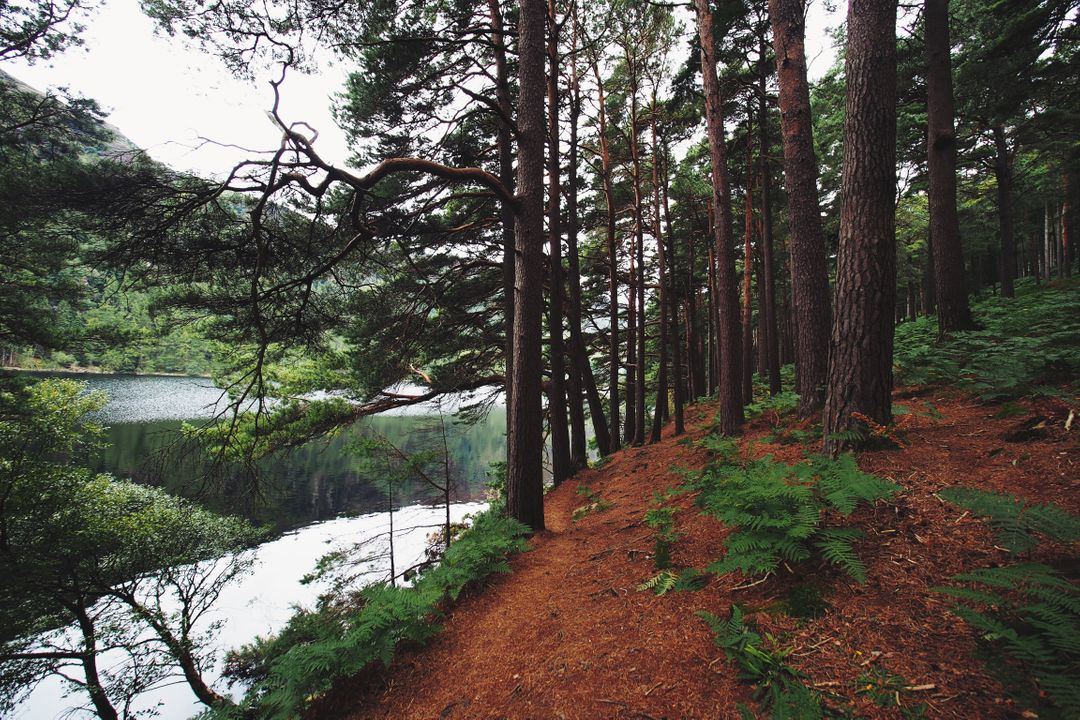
[[1066, 227], [661, 382], [1003, 175], [950, 289], [613, 265], [713, 349], [748, 275], [583, 371], [631, 346], [504, 142], [637, 266], [809, 277], [524, 471], [673, 313], [731, 410], [860, 351], [560, 433], [768, 267]]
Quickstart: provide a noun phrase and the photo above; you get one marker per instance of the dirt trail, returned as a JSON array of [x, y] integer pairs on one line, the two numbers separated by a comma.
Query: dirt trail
[[567, 635]]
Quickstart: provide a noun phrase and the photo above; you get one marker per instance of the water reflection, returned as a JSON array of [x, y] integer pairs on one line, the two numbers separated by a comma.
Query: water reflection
[[319, 481]]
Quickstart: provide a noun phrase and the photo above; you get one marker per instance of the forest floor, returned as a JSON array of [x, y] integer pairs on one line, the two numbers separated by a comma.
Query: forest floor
[[568, 635]]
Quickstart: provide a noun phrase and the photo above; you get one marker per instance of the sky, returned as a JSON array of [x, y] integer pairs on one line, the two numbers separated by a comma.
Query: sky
[[165, 93]]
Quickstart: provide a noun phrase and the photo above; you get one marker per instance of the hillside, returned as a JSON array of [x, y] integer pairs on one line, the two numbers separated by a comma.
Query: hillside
[[569, 635]]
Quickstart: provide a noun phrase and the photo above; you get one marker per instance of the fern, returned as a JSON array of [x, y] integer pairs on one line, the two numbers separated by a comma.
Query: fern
[[1015, 520], [661, 583], [779, 687], [777, 511], [1032, 615], [342, 638]]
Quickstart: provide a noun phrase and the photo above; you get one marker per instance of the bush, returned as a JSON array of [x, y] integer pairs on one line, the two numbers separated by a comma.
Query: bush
[[289, 671], [778, 511]]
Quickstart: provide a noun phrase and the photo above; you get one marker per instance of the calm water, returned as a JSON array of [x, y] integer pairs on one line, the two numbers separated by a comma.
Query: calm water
[[320, 481], [318, 498]]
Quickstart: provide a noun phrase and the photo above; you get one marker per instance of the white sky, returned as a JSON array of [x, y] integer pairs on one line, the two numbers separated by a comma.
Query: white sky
[[164, 93]]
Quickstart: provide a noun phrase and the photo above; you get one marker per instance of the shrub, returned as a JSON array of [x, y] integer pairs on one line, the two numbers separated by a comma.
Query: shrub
[[778, 511]]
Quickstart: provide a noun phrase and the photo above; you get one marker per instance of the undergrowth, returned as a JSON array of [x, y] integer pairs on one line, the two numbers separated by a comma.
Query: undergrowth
[[779, 688], [778, 511], [1016, 521], [1027, 612], [285, 673], [1026, 344]]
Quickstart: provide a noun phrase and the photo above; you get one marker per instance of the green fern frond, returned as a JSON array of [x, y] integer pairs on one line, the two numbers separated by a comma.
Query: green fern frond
[[1015, 520], [1031, 614], [660, 584], [835, 545]]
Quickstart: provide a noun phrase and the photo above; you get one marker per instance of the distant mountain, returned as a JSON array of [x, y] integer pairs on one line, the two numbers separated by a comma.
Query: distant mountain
[[116, 145]]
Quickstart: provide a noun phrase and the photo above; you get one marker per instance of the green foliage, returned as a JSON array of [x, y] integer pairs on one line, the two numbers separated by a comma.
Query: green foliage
[[1031, 614], [316, 648], [595, 502], [724, 449], [1025, 342], [119, 558], [884, 689], [783, 403], [1015, 520], [665, 581], [661, 583], [777, 511], [762, 661], [661, 518]]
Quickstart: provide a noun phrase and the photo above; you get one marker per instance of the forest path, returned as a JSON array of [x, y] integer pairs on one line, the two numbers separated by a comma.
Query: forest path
[[568, 635]]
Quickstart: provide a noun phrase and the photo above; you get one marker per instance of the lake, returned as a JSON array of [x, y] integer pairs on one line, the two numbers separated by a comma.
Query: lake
[[316, 499]]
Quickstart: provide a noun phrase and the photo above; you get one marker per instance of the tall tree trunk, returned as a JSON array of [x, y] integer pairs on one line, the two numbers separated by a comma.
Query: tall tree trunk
[[1003, 174], [505, 144], [613, 264], [748, 273], [695, 362], [714, 341], [1066, 226], [661, 381], [524, 469], [560, 433], [809, 275], [631, 344], [1048, 233], [637, 268], [951, 291], [731, 410], [582, 367], [772, 344], [673, 311], [860, 352]]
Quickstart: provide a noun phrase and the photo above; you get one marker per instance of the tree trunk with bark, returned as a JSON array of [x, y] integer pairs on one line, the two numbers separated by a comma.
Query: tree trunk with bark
[[748, 274], [952, 300], [771, 339], [524, 470], [560, 433], [613, 264], [1003, 174], [582, 366], [860, 352], [504, 142], [731, 409], [661, 381], [809, 276]]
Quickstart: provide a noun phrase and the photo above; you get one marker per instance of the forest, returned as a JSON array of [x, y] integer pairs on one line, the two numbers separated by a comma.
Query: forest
[[789, 357]]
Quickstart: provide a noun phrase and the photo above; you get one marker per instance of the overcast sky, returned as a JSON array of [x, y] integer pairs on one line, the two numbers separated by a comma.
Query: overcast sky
[[163, 93]]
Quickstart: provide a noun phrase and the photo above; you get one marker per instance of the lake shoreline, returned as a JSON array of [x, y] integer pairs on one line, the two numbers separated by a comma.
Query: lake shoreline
[[97, 372]]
